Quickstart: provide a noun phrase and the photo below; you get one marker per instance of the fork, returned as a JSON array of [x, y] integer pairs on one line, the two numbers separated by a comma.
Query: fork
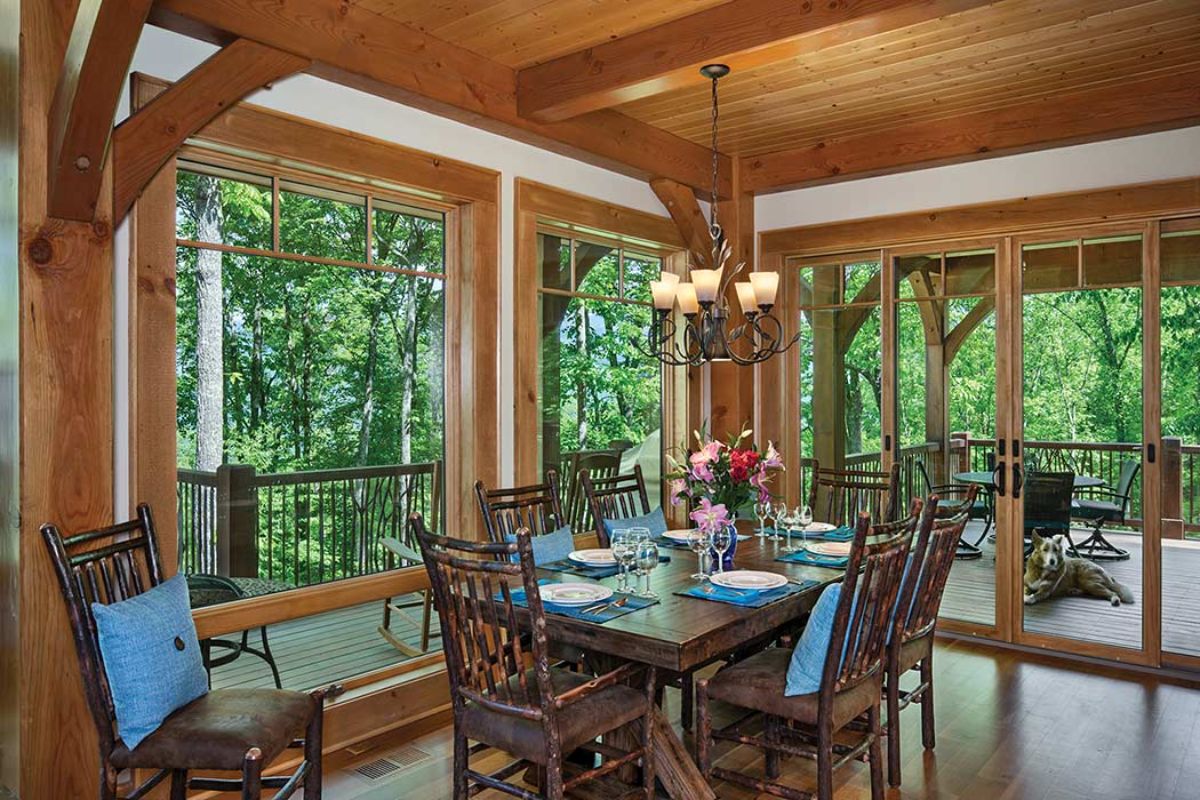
[[602, 607]]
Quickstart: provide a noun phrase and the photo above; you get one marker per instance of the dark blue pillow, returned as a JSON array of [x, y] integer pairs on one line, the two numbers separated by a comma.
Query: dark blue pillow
[[655, 522], [151, 657], [549, 547]]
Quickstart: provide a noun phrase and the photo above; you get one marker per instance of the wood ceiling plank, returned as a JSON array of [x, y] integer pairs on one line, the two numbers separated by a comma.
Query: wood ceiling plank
[[148, 139], [1132, 107], [752, 33], [100, 49], [385, 57]]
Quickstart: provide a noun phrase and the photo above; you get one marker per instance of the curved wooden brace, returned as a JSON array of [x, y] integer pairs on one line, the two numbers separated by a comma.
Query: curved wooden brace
[[685, 211], [143, 143], [977, 314]]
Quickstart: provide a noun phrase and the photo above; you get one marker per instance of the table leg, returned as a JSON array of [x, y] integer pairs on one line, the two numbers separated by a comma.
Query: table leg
[[674, 766]]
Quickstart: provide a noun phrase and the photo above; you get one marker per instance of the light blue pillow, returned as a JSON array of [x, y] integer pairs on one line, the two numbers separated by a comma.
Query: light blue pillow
[[151, 657], [655, 522], [808, 659], [553, 546]]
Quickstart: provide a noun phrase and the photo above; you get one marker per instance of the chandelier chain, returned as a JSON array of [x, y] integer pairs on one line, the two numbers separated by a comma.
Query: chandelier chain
[[713, 224]]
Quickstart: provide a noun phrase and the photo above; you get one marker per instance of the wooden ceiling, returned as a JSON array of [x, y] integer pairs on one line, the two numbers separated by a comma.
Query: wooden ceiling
[[821, 89]]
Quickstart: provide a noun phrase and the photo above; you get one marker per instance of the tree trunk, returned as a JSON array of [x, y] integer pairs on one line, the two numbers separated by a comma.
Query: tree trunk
[[210, 372], [368, 403]]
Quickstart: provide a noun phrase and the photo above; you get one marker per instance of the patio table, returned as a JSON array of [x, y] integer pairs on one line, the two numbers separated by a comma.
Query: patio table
[[682, 633], [986, 480]]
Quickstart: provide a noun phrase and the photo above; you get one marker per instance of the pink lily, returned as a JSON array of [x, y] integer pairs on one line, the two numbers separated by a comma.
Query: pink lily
[[709, 517], [772, 458], [678, 488]]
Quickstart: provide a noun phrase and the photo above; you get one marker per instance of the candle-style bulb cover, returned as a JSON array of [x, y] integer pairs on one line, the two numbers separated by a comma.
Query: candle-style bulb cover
[[685, 293], [706, 282], [669, 278], [766, 286], [746, 297], [663, 293]]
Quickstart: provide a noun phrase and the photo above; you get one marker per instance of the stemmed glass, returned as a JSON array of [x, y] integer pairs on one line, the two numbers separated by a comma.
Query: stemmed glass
[[790, 524], [804, 516], [762, 510], [700, 542], [639, 536], [647, 561], [624, 552], [781, 513], [722, 538]]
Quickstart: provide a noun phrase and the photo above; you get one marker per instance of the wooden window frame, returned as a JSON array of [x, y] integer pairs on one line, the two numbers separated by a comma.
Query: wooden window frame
[[546, 209], [469, 196]]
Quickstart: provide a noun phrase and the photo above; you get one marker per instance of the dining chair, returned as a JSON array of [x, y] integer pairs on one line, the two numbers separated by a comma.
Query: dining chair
[[910, 646], [851, 680], [235, 730], [612, 497], [1101, 506], [838, 496], [598, 463], [535, 508], [504, 691], [981, 508]]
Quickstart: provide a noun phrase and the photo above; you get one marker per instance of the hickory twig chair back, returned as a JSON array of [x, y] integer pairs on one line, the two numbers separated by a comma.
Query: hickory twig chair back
[[238, 730], [493, 622], [536, 508], [838, 496], [612, 497]]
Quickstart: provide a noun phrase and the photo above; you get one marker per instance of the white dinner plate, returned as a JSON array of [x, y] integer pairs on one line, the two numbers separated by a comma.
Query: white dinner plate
[[684, 535], [602, 557], [820, 527], [835, 549], [575, 594], [748, 579]]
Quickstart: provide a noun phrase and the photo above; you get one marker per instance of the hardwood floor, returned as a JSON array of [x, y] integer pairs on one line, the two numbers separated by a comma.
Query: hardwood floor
[[1010, 726]]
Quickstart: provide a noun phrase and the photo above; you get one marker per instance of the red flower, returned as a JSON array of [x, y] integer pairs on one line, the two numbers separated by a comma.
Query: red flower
[[741, 463]]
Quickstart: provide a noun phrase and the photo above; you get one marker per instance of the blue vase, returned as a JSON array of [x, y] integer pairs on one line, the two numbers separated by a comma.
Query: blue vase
[[727, 559]]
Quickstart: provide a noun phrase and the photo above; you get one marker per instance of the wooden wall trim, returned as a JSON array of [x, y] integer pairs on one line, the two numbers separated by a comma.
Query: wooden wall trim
[[559, 205], [1023, 215]]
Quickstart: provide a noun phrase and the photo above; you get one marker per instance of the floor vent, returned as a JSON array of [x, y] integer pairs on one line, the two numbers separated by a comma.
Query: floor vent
[[388, 765]]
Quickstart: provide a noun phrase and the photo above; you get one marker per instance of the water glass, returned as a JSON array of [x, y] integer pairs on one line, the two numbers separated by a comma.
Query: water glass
[[806, 519], [639, 536], [781, 514], [647, 561], [762, 510], [623, 551], [722, 538], [701, 543]]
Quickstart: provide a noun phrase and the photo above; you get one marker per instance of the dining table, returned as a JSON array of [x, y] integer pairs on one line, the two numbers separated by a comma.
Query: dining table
[[681, 633]]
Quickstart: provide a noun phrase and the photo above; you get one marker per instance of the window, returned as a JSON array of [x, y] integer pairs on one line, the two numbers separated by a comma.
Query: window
[[310, 372], [600, 394]]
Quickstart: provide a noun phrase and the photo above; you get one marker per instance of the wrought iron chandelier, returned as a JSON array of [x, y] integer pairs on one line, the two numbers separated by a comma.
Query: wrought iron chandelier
[[707, 333]]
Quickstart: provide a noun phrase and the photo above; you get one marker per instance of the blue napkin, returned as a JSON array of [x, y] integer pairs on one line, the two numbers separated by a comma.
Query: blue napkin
[[843, 534], [815, 560], [610, 613], [745, 599]]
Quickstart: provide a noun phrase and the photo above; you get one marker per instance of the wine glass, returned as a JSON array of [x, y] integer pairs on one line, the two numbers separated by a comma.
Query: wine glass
[[700, 542], [722, 538], [805, 515], [762, 510], [622, 548], [781, 513], [638, 536], [647, 561], [790, 524]]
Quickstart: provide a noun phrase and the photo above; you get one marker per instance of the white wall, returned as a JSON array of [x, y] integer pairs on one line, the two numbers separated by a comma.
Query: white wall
[[1137, 159], [167, 55]]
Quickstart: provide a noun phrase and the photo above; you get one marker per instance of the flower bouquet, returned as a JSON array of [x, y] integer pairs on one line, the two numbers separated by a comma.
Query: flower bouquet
[[719, 478]]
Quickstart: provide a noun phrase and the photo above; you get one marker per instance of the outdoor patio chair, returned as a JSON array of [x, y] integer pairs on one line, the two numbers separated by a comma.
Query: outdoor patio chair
[[506, 695], [403, 552], [910, 647], [1047, 498], [234, 730], [1105, 506], [851, 683], [980, 508], [839, 496]]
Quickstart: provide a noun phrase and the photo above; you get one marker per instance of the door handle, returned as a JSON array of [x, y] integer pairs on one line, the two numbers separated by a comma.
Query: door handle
[[1150, 452], [1018, 480], [998, 479]]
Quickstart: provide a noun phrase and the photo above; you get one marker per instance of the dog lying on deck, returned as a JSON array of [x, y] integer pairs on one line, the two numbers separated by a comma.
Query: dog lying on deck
[[1051, 573]]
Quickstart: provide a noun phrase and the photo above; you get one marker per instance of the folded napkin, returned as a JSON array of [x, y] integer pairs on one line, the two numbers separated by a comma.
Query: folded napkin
[[609, 613], [596, 573], [743, 598], [815, 560]]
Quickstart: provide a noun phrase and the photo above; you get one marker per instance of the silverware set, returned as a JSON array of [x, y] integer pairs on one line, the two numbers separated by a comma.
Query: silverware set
[[602, 607]]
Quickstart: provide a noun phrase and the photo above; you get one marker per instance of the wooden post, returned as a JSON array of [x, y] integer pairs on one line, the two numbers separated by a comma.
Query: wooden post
[[1172, 487], [829, 373], [960, 454], [237, 521]]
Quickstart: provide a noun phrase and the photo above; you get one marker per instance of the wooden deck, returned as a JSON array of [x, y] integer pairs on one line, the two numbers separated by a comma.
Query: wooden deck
[[323, 648], [970, 596]]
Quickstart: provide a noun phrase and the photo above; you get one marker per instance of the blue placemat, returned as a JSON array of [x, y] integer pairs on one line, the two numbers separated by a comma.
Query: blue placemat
[[842, 534], [610, 613], [814, 560], [736, 597], [596, 573]]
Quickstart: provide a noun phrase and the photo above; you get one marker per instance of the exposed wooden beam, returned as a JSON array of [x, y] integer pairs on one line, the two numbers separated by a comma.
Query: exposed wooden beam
[[1106, 112], [743, 34], [377, 54], [99, 52], [148, 139], [681, 204]]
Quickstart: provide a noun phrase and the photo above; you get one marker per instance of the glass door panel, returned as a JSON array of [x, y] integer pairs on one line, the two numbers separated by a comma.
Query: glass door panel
[[946, 403], [1081, 321], [1179, 255]]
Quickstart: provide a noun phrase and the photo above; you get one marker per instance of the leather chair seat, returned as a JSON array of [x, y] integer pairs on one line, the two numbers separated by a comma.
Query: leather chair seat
[[216, 730], [759, 681], [578, 723]]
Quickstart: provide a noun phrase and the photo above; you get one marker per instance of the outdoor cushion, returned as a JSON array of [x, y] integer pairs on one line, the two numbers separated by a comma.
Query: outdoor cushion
[[553, 546], [215, 731], [655, 522], [151, 657]]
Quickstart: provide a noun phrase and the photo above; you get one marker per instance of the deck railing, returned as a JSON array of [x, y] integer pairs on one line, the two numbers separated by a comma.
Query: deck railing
[[299, 528]]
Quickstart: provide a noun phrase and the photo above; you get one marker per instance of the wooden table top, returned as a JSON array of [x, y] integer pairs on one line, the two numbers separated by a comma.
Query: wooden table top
[[681, 633]]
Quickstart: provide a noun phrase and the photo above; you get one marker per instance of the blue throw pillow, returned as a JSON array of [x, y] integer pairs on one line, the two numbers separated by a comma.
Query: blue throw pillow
[[655, 522], [151, 657], [553, 546]]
